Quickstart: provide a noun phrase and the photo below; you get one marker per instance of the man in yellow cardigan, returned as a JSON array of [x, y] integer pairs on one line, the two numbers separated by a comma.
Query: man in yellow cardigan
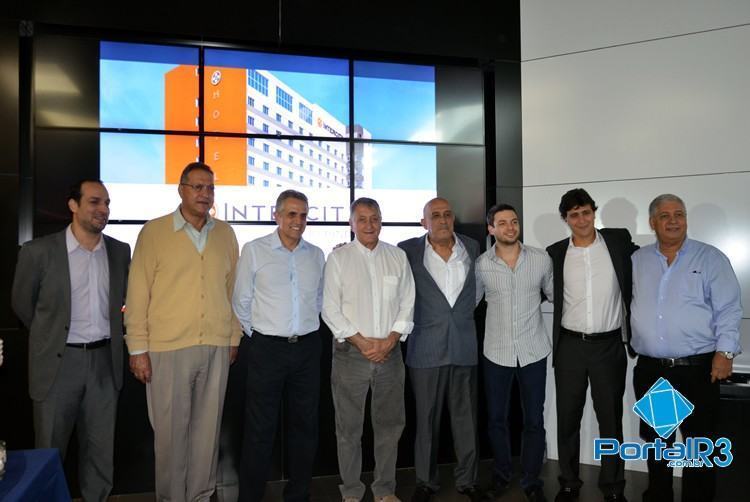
[[182, 334]]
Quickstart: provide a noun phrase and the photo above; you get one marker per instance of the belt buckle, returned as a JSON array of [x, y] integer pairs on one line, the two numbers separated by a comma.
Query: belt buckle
[[293, 339], [668, 362], [585, 337]]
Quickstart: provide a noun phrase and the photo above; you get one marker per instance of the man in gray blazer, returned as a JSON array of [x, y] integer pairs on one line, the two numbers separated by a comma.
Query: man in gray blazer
[[68, 291], [442, 349]]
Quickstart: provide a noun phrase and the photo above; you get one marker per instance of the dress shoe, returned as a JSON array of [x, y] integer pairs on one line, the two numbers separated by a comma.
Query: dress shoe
[[388, 498], [615, 497], [567, 495], [471, 492], [535, 495], [422, 494], [497, 491]]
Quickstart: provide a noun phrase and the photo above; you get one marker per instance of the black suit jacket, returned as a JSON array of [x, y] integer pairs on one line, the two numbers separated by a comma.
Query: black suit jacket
[[620, 245], [41, 300]]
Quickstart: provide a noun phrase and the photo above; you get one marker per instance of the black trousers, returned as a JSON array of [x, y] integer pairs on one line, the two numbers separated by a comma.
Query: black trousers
[[693, 382], [602, 363], [278, 369]]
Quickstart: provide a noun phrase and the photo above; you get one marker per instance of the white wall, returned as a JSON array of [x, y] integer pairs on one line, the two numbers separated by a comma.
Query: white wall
[[629, 100]]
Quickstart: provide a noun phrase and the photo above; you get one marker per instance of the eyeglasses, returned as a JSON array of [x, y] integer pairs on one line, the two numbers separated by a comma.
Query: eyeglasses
[[200, 186]]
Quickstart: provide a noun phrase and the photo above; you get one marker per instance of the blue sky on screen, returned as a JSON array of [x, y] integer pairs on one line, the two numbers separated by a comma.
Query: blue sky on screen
[[392, 101], [404, 167], [395, 101], [131, 158], [330, 92], [131, 94]]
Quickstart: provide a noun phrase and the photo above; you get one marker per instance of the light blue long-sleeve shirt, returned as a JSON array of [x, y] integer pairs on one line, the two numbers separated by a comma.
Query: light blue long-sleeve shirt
[[691, 307], [279, 292]]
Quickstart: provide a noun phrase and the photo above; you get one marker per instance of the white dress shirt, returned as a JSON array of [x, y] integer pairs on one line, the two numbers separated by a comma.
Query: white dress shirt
[[514, 332], [89, 291], [591, 294], [448, 275], [279, 292], [370, 292]]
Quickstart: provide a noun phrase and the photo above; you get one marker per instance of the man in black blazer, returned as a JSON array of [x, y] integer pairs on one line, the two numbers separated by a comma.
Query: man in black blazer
[[69, 291], [442, 348], [592, 292]]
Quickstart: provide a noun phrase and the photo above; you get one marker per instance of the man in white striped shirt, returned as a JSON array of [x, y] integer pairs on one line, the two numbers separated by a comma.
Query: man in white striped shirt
[[513, 277]]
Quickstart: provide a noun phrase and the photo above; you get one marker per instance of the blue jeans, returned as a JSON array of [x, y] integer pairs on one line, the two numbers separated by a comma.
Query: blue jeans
[[532, 381]]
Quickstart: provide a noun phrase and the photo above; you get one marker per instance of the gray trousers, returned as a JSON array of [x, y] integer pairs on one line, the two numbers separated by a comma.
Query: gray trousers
[[433, 387], [83, 395], [352, 375], [185, 400]]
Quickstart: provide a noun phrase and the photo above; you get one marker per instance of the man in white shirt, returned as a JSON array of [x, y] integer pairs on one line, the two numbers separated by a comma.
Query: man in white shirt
[[368, 302], [516, 345], [277, 298], [592, 292], [442, 349]]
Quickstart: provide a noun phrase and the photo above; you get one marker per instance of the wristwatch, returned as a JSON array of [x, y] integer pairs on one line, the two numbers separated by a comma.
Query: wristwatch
[[728, 355]]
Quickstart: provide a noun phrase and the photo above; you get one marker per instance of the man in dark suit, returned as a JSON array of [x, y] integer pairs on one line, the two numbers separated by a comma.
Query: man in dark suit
[[592, 292], [69, 290], [442, 349]]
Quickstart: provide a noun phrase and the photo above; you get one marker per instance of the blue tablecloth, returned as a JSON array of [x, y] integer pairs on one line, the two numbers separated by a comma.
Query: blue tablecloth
[[34, 475]]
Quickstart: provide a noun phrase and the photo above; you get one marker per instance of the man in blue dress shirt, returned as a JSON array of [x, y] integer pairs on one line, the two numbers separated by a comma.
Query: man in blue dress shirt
[[277, 297], [686, 315]]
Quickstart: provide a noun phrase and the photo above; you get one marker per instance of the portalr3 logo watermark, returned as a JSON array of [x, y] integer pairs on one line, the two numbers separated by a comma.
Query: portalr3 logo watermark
[[664, 408]]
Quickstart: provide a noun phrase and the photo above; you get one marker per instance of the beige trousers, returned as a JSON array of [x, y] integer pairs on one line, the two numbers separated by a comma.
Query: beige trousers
[[185, 401]]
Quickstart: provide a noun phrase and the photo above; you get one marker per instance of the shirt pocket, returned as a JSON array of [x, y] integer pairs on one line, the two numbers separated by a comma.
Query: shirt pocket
[[390, 281], [691, 286]]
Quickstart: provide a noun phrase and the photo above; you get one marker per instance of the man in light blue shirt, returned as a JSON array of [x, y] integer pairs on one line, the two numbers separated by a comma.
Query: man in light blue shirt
[[686, 316], [277, 298]]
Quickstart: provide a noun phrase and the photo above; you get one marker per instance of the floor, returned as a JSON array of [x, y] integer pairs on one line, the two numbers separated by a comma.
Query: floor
[[325, 489]]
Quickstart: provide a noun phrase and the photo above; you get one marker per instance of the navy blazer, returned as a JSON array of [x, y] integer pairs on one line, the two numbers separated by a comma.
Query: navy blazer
[[620, 245], [442, 335]]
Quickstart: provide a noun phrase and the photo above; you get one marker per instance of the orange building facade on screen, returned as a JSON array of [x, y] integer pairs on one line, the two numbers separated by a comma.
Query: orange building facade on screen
[[225, 91]]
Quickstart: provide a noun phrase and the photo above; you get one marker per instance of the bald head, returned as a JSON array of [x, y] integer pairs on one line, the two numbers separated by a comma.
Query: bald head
[[438, 220], [428, 206]]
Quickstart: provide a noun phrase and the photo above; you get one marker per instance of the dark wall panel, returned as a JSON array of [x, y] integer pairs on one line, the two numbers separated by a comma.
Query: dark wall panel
[[481, 30]]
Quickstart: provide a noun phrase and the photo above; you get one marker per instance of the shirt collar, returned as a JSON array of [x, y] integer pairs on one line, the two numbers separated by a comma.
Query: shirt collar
[[493, 255], [458, 244], [364, 250], [72, 243], [180, 221], [597, 240], [686, 245], [277, 244]]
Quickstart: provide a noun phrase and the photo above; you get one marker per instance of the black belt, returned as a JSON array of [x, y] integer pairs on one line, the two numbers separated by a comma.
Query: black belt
[[90, 345], [671, 362], [591, 337], [287, 339]]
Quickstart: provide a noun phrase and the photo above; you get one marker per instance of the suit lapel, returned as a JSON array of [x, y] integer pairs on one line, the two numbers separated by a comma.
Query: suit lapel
[[615, 255], [63, 266], [467, 281], [112, 264]]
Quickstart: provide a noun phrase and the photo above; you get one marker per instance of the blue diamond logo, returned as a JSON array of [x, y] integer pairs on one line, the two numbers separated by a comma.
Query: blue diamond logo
[[663, 408]]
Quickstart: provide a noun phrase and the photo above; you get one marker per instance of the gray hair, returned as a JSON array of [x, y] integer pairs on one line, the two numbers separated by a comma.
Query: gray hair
[[364, 201], [289, 194], [665, 197]]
